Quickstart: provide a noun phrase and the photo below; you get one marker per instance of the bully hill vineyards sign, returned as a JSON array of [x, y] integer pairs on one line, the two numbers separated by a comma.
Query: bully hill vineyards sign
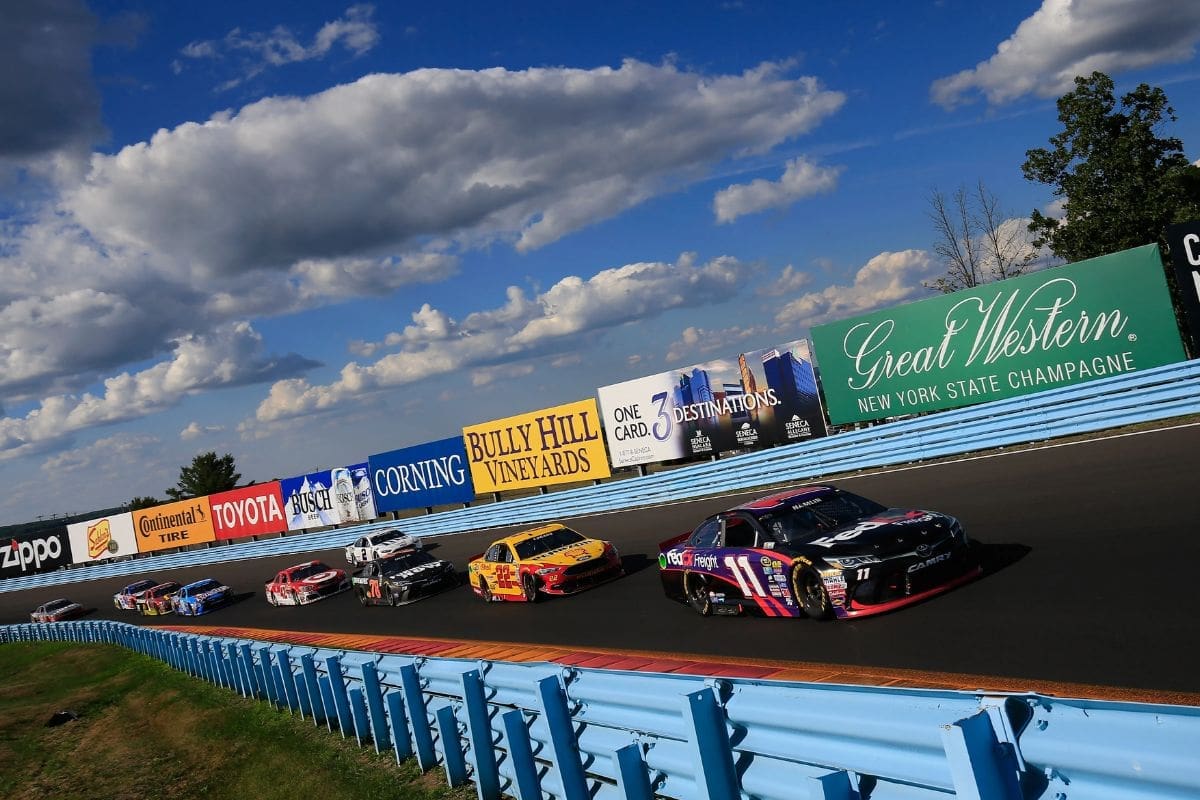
[[1064, 325]]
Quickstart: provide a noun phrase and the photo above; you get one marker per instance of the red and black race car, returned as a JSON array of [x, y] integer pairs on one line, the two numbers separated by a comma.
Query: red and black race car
[[157, 599], [306, 583], [817, 551], [403, 577]]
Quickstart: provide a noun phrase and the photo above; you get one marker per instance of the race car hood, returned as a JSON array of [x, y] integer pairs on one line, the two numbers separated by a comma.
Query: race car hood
[[892, 532], [321, 578], [572, 554]]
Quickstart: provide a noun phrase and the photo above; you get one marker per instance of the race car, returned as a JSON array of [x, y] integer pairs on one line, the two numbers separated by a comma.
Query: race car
[[56, 611], [403, 577], [817, 551], [200, 597], [306, 583], [552, 559], [157, 599], [378, 544], [126, 599]]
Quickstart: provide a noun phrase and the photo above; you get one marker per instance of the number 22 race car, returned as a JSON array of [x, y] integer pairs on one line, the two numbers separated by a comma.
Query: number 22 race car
[[816, 551], [552, 559]]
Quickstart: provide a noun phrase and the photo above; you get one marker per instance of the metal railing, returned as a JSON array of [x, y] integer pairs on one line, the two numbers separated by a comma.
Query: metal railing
[[1127, 399], [533, 731]]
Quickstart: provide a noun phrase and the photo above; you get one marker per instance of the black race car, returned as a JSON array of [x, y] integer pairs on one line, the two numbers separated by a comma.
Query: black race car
[[403, 577], [817, 551]]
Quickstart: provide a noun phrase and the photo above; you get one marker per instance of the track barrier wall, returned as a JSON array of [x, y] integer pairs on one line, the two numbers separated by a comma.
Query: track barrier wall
[[539, 730], [1127, 399]]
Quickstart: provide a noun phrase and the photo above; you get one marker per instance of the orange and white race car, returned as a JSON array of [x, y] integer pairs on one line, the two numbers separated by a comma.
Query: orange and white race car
[[551, 559]]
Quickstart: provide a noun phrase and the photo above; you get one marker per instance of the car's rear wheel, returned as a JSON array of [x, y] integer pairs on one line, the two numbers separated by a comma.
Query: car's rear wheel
[[810, 592], [271, 599], [485, 591], [696, 588], [362, 598], [529, 588]]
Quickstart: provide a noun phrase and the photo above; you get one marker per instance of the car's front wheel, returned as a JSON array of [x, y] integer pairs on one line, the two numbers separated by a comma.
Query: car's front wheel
[[529, 588], [696, 588], [390, 597], [810, 592]]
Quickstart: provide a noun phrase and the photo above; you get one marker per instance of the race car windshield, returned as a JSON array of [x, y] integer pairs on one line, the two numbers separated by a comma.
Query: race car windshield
[[207, 586], [563, 537], [407, 561], [799, 523], [390, 536], [57, 604], [308, 571]]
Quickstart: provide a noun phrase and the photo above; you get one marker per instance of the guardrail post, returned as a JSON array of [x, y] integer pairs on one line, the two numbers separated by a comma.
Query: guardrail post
[[235, 664], [398, 720], [358, 715], [831, 786], [252, 678], [418, 717], [452, 754], [379, 731], [302, 694], [977, 761], [309, 670], [712, 756], [268, 675], [285, 677], [479, 731], [520, 754], [632, 779], [564, 749], [337, 683], [327, 702], [217, 677]]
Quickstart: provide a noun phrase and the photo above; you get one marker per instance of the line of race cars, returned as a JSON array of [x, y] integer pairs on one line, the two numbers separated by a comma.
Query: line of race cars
[[816, 551]]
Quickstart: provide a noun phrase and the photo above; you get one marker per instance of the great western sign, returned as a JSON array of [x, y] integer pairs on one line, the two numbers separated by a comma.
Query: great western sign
[[1061, 326]]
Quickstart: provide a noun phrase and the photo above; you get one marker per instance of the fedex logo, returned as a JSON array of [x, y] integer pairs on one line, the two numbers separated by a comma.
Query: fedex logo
[[689, 560]]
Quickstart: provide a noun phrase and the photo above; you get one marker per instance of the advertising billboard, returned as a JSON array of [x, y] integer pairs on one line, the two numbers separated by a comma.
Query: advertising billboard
[[1057, 327], [101, 538], [31, 553], [249, 511], [1184, 241], [541, 448], [329, 497], [764, 397], [430, 474], [178, 524]]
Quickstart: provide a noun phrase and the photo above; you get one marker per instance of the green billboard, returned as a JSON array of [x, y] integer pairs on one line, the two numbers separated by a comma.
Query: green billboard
[[1060, 326]]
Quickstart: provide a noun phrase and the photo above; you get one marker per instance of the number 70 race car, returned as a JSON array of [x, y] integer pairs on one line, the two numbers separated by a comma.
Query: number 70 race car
[[816, 551], [403, 577]]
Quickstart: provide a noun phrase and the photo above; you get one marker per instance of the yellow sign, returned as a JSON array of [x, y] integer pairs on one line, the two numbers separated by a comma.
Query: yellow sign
[[555, 445], [173, 525]]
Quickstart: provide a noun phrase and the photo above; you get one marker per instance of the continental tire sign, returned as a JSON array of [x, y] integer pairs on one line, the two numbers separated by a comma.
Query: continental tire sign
[[1062, 326]]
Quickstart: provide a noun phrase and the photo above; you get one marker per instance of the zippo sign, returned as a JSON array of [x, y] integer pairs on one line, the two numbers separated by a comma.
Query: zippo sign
[[105, 537], [249, 511], [430, 474], [35, 552]]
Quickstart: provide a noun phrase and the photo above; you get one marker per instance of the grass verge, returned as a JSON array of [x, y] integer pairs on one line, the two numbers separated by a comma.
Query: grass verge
[[145, 730]]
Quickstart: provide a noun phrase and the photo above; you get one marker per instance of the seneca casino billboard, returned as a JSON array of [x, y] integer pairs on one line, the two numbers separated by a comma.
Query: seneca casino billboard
[[1057, 327]]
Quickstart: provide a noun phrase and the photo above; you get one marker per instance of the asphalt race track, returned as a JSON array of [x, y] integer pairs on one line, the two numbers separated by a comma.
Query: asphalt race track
[[1091, 552]]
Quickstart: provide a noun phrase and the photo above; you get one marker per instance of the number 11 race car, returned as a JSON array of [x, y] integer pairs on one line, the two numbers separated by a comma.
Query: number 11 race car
[[816, 551]]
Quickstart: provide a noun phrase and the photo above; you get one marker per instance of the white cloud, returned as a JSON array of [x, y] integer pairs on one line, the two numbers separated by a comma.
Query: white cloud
[[522, 328], [1066, 38], [790, 281], [885, 280], [195, 430], [802, 178], [112, 456], [694, 340]]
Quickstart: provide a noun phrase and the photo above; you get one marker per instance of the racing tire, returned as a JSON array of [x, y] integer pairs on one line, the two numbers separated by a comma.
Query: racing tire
[[810, 593], [485, 591], [271, 599], [529, 588], [695, 587], [390, 597], [362, 599]]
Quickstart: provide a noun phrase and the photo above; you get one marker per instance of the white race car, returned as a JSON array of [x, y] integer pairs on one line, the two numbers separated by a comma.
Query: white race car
[[379, 544]]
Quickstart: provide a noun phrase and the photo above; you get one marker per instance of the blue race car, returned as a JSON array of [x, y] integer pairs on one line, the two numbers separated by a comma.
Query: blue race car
[[200, 597]]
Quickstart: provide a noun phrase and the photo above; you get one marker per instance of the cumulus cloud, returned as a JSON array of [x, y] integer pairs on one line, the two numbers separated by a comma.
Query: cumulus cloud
[[195, 430], [695, 340], [885, 280], [354, 31], [522, 328], [110, 456], [229, 357], [802, 178], [1066, 38], [790, 281]]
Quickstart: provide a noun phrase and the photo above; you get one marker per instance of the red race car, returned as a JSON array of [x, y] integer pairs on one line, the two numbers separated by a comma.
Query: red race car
[[157, 600], [57, 611], [306, 583]]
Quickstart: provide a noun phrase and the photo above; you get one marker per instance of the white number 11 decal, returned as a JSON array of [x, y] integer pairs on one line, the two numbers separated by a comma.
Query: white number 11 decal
[[740, 567]]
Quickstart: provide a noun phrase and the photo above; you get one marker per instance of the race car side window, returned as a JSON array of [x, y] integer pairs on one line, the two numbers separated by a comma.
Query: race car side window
[[493, 553], [506, 555], [706, 535], [739, 533]]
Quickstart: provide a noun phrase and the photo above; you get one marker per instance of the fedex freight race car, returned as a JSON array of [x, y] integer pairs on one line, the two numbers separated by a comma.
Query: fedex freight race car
[[201, 597], [379, 544], [56, 611], [816, 551], [126, 599], [404, 577], [306, 583], [157, 599], [552, 559]]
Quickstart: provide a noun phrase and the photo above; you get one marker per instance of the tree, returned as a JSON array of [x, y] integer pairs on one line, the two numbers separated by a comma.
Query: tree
[[138, 503], [1122, 182], [207, 474], [976, 241]]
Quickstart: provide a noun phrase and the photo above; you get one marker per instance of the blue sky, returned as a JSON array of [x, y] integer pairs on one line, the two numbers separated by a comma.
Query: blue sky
[[305, 233]]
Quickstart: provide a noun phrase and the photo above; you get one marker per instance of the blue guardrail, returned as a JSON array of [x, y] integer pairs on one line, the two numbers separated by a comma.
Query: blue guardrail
[[534, 731]]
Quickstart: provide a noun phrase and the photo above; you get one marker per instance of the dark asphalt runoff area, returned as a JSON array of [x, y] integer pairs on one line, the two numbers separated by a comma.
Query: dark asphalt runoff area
[[1091, 553]]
